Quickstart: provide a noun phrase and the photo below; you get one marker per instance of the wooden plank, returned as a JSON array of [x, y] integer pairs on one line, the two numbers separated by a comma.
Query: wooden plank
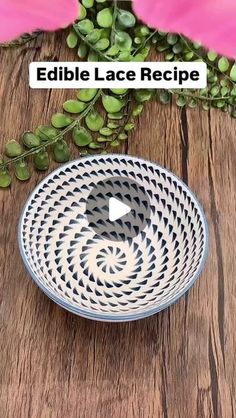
[[177, 364]]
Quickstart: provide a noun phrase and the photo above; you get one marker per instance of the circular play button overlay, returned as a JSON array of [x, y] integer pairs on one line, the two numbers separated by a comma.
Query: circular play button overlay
[[113, 237], [118, 208]]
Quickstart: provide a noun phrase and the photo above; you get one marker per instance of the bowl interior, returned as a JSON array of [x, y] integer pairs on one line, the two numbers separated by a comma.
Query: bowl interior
[[95, 277]]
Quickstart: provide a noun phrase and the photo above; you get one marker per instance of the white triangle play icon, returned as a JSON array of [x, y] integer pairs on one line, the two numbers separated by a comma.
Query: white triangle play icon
[[117, 209]]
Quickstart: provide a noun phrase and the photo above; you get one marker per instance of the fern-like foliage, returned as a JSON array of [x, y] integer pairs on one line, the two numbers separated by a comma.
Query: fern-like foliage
[[99, 120]]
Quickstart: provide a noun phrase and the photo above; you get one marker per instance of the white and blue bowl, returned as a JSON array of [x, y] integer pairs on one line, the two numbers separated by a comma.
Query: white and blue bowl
[[94, 277]]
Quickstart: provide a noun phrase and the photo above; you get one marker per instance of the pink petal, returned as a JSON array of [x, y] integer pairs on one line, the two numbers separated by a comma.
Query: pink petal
[[213, 22], [21, 16]]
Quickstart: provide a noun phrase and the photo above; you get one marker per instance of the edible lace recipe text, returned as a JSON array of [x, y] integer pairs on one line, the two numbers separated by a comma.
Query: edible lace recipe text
[[118, 75]]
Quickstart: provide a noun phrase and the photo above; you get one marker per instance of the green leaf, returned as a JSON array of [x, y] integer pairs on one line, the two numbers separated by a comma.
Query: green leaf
[[204, 92], [129, 126], [41, 160], [215, 91], [233, 73], [211, 76], [225, 108], [181, 101], [45, 132], [112, 104], [81, 136], [105, 18], [13, 149], [5, 179], [72, 39], [188, 56], [115, 116], [212, 56], [113, 51], [224, 83], [137, 110], [125, 56], [61, 152], [223, 64], [122, 136], [192, 103], [22, 171], [145, 51], [105, 33], [93, 56], [123, 40], [220, 104], [138, 40], [84, 153], [115, 143], [119, 92], [106, 131], [113, 125], [30, 140], [86, 95], [59, 120], [138, 58], [196, 45], [162, 34], [94, 121], [102, 44], [163, 47], [94, 145], [85, 26], [94, 36], [224, 91], [205, 105], [82, 12], [142, 95], [88, 3], [102, 139], [165, 97], [74, 106], [177, 48], [233, 92], [82, 50], [170, 56], [141, 31], [126, 18], [172, 38]]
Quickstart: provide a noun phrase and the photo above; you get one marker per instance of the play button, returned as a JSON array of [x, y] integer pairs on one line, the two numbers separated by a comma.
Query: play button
[[118, 208]]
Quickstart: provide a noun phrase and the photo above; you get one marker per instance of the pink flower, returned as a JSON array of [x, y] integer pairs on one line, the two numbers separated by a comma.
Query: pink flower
[[213, 22], [21, 16]]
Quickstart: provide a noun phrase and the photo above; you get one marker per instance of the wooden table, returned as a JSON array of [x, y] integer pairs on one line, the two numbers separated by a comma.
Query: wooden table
[[178, 364]]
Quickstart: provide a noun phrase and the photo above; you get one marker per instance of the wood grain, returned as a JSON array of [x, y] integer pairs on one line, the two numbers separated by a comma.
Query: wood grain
[[177, 364]]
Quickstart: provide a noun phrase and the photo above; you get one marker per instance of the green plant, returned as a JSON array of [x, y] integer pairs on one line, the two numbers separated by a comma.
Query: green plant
[[97, 120]]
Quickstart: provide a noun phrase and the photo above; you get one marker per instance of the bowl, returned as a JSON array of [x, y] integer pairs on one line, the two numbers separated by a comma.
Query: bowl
[[119, 270]]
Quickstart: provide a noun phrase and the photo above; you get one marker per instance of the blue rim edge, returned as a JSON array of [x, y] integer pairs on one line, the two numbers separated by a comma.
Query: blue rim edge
[[108, 317]]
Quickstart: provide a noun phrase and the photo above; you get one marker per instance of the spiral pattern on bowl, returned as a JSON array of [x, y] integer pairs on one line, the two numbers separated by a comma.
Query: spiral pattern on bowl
[[89, 274]]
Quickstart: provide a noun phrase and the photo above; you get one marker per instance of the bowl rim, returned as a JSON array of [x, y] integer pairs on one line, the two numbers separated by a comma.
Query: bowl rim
[[109, 317]]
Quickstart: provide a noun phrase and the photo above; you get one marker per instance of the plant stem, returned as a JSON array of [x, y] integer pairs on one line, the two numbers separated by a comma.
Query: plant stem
[[56, 138], [144, 43], [91, 46], [194, 96], [208, 62], [115, 11], [121, 128]]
